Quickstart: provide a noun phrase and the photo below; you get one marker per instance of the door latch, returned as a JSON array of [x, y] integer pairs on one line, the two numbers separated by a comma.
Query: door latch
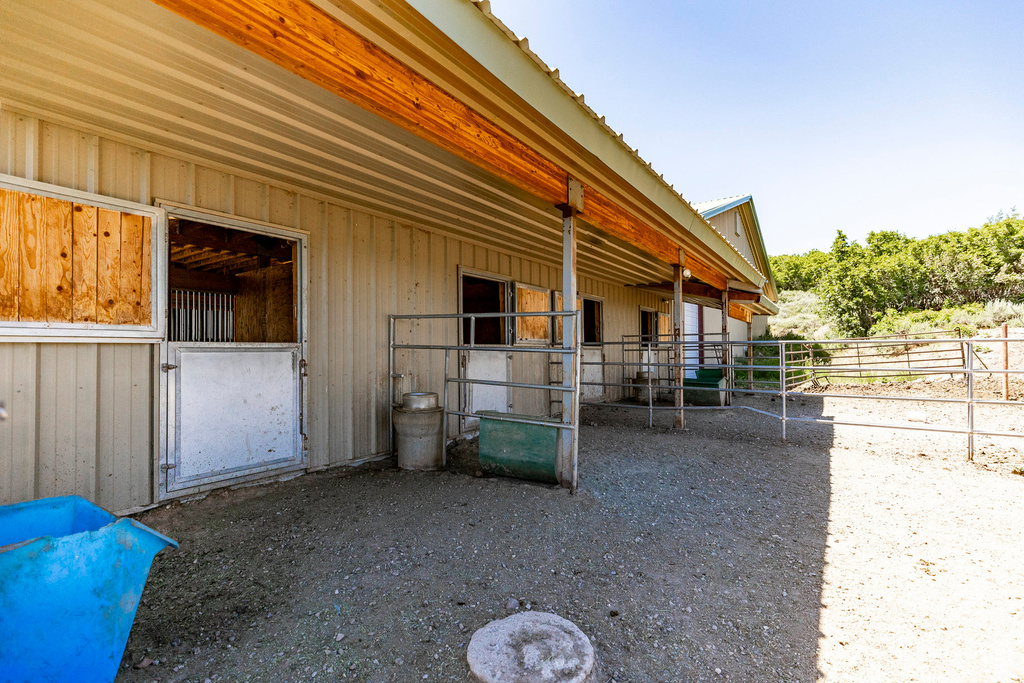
[[167, 367], [304, 367], [164, 468]]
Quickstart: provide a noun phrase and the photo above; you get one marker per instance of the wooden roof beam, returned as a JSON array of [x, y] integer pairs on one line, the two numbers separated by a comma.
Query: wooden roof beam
[[300, 37]]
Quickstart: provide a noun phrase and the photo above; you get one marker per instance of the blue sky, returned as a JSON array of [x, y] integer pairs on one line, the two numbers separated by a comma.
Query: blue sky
[[856, 116]]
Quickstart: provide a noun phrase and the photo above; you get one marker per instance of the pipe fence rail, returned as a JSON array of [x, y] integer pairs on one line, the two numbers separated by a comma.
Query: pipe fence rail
[[785, 368], [569, 354]]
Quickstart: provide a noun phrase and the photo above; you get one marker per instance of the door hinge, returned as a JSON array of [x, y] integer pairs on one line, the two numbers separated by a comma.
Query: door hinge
[[164, 468], [167, 367]]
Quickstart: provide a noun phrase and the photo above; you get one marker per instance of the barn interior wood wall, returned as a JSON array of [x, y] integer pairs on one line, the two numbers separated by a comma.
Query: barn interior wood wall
[[360, 268]]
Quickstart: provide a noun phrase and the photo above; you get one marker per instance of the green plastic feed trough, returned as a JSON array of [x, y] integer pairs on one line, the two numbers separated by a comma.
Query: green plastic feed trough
[[71, 575], [514, 449]]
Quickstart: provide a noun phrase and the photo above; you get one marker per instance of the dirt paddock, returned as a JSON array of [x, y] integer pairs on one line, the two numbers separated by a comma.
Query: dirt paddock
[[711, 554]]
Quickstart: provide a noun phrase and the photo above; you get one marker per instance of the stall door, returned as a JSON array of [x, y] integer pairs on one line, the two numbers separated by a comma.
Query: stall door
[[234, 412], [691, 319], [485, 365], [482, 294], [233, 359]]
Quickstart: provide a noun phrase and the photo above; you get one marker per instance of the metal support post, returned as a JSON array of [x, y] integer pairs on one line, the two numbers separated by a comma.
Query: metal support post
[[726, 351], [750, 356], [444, 413], [568, 441], [678, 334], [782, 385], [1006, 362]]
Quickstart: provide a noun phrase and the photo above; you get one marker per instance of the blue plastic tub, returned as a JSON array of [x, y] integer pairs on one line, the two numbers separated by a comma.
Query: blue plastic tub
[[71, 575]]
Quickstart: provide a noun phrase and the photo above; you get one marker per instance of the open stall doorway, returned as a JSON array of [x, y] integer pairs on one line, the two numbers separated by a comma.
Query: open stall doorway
[[234, 357]]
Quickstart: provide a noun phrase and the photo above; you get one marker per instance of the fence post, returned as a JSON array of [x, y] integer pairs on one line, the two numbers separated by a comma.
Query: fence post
[[970, 401], [782, 385], [1006, 362]]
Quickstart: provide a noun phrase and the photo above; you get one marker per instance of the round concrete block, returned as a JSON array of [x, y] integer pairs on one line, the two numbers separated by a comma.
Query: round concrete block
[[531, 647]]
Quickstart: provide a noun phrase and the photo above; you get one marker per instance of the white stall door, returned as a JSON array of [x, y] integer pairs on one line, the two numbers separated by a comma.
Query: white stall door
[[233, 411], [487, 365]]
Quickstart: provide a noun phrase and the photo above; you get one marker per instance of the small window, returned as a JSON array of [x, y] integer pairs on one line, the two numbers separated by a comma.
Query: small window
[[648, 325], [592, 321], [483, 295], [559, 321]]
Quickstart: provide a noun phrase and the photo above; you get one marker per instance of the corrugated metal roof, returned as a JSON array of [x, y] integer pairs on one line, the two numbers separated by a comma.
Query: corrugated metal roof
[[717, 206]]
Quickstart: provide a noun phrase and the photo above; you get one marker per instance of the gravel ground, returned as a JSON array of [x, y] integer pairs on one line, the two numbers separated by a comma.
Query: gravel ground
[[711, 554]]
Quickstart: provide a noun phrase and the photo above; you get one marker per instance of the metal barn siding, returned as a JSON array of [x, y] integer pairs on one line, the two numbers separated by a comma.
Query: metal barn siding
[[361, 267], [725, 224], [81, 422]]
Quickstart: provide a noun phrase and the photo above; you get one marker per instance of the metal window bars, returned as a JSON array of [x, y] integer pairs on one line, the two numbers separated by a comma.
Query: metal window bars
[[196, 316]]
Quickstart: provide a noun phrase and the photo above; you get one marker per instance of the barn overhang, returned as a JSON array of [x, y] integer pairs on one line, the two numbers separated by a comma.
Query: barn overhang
[[438, 83]]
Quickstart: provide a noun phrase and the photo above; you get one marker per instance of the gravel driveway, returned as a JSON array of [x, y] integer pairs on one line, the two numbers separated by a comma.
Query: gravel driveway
[[710, 554]]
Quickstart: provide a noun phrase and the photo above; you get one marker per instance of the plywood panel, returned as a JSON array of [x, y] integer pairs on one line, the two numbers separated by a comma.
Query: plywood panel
[[108, 265], [143, 311], [58, 260], [84, 249], [529, 300], [10, 254], [128, 308], [33, 264], [264, 305]]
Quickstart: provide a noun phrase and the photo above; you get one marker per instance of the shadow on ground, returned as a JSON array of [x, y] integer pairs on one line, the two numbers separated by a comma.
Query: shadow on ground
[[687, 556]]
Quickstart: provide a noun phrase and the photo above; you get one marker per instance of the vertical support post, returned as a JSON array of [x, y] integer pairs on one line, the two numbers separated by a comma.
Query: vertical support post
[[782, 385], [726, 351], [444, 413], [970, 401], [750, 356], [568, 441], [678, 334], [1006, 362]]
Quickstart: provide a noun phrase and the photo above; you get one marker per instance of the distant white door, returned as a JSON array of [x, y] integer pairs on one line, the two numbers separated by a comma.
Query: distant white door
[[692, 325], [592, 373], [486, 365], [234, 410]]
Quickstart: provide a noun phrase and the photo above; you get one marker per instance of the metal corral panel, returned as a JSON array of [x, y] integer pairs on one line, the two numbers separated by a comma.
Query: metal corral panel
[[81, 421]]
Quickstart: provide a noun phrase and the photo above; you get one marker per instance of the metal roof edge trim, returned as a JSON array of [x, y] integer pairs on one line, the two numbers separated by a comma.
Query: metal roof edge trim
[[470, 24], [725, 207]]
